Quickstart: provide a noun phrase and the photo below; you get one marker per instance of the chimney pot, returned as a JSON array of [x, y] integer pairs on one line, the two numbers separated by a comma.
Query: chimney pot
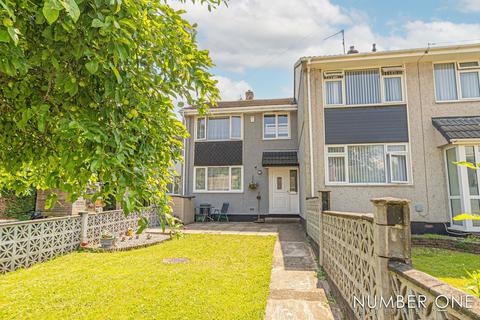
[[352, 50], [249, 95], [374, 47]]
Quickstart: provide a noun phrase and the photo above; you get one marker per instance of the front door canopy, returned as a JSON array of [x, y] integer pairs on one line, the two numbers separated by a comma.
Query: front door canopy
[[280, 159]]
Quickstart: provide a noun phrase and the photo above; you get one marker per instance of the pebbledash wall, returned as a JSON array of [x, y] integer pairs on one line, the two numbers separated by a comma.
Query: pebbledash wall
[[242, 204], [367, 257], [23, 244], [428, 188]]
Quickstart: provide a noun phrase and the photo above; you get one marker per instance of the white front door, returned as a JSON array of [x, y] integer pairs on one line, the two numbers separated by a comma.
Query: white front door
[[283, 195]]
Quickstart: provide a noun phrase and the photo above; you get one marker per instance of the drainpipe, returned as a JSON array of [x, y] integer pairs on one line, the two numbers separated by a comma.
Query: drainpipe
[[310, 138], [184, 160]]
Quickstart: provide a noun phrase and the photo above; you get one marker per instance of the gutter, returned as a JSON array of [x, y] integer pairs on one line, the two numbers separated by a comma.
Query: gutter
[[310, 138], [465, 141]]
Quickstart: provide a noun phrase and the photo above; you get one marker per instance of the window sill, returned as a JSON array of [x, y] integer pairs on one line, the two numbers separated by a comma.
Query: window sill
[[458, 101], [228, 140], [218, 192], [270, 139], [407, 184], [382, 104]]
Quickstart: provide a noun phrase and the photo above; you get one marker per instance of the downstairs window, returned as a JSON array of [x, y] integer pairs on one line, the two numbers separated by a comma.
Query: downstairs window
[[368, 164]]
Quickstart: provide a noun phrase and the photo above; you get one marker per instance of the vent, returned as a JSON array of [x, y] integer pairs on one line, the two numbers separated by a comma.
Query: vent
[[333, 75], [468, 65], [391, 71]]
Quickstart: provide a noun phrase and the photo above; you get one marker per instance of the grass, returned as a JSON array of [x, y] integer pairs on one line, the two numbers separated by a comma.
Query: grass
[[446, 265], [227, 277]]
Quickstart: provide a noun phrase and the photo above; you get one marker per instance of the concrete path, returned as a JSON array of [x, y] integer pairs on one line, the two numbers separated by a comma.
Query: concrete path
[[295, 291]]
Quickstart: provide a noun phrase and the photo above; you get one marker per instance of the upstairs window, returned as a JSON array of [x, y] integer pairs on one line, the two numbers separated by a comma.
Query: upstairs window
[[457, 81], [276, 126], [364, 87], [219, 128]]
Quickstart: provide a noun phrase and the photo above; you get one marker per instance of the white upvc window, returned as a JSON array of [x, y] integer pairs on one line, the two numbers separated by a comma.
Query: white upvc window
[[276, 126], [218, 179], [361, 87], [219, 128], [457, 81], [463, 185], [174, 187], [366, 164]]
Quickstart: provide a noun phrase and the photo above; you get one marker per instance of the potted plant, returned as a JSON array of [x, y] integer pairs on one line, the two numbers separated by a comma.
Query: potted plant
[[106, 239], [252, 185]]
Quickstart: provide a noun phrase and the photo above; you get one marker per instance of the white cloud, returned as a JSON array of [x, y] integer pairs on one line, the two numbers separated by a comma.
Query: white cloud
[[420, 33], [258, 33], [231, 89], [469, 5]]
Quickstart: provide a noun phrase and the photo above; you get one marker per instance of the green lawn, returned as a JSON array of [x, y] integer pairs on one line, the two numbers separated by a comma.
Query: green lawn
[[227, 278], [448, 266]]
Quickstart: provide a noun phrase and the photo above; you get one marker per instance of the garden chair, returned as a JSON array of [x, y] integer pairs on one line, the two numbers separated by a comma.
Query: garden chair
[[222, 212], [202, 213]]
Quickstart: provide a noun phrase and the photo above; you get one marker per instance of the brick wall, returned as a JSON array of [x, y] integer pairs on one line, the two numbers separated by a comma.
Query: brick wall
[[63, 208], [3, 207], [448, 244]]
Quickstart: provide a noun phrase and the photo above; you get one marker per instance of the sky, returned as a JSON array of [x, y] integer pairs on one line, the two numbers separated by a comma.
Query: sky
[[255, 43]]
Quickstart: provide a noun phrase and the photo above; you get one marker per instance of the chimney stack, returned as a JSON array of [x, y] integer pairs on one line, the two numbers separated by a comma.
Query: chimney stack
[[374, 47], [249, 95], [352, 50]]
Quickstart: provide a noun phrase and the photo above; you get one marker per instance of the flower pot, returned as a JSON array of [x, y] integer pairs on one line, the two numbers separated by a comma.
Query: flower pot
[[252, 186], [106, 243]]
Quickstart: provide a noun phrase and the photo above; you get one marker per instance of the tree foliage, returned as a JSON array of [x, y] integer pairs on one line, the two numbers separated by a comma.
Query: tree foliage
[[86, 91]]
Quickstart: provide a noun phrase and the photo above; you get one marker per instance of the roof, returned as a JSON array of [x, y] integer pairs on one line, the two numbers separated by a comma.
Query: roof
[[279, 159], [458, 128], [413, 53], [250, 103]]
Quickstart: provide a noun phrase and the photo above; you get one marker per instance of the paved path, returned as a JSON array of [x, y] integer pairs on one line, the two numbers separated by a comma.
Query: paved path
[[295, 291]]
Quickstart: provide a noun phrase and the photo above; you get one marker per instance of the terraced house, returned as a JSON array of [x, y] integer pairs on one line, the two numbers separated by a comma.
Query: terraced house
[[360, 125]]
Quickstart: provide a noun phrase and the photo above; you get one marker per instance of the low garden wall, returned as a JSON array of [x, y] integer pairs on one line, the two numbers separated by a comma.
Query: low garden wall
[[456, 244], [24, 243], [367, 260]]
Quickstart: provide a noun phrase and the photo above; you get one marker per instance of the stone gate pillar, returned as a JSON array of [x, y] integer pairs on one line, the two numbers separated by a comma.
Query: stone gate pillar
[[391, 228]]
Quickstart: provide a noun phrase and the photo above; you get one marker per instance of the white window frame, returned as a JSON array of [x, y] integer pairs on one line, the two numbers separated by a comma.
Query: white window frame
[[276, 114], [174, 192], [195, 190], [457, 80], [387, 161], [464, 197], [382, 87], [230, 116]]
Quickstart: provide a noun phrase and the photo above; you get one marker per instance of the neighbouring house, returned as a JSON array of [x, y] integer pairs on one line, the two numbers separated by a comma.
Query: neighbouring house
[[360, 125], [391, 124]]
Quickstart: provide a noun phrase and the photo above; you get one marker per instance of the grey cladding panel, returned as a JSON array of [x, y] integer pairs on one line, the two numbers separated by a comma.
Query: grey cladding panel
[[221, 153], [366, 125]]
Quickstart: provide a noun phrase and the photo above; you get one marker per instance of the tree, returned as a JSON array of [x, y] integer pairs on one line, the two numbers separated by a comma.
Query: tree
[[86, 96]]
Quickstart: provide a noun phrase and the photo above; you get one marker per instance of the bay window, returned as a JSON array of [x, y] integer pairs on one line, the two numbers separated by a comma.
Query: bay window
[[218, 179], [457, 81], [219, 128], [276, 126], [364, 87], [367, 164]]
